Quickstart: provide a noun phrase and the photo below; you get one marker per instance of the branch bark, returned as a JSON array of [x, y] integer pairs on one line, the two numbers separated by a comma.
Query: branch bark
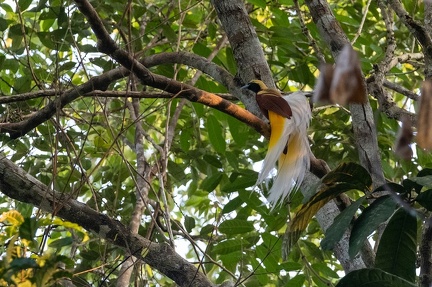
[[17, 184], [244, 41], [176, 88], [420, 32], [230, 13], [425, 252], [362, 116]]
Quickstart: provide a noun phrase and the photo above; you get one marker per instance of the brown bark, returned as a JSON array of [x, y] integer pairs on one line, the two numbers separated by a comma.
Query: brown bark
[[362, 116], [230, 13], [17, 184]]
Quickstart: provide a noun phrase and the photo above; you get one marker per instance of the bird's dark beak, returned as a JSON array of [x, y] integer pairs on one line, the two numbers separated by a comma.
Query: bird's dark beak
[[245, 87]]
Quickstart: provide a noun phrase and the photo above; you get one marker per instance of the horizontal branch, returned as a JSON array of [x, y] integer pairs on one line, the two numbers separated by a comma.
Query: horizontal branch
[[18, 184], [101, 82], [405, 58], [102, 94]]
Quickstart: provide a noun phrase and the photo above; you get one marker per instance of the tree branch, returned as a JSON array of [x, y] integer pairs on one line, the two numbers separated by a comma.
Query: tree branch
[[101, 82], [362, 116], [241, 34], [421, 33], [17, 184], [425, 253]]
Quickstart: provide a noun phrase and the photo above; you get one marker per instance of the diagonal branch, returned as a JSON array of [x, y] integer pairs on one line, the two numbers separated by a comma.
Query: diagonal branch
[[420, 32], [415, 28], [18, 184], [101, 82]]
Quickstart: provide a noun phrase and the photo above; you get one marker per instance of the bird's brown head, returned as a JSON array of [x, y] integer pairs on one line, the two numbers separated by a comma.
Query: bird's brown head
[[255, 86]]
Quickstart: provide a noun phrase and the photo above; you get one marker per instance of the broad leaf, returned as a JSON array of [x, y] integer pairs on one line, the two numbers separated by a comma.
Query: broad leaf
[[232, 205], [240, 182], [391, 186], [425, 199], [23, 263], [229, 246], [340, 224], [59, 243], [396, 252], [216, 138], [28, 228], [189, 223], [371, 277], [342, 179], [349, 173], [297, 281], [378, 212], [211, 182], [425, 181], [236, 226]]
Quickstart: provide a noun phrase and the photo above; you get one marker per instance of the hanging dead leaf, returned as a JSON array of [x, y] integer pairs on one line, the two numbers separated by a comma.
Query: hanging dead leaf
[[348, 85], [322, 87], [404, 139], [424, 121]]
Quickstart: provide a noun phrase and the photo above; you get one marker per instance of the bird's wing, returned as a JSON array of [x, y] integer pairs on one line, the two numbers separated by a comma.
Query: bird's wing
[[269, 100]]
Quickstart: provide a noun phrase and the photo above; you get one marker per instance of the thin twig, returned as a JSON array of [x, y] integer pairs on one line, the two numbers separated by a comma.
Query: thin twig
[[360, 29]]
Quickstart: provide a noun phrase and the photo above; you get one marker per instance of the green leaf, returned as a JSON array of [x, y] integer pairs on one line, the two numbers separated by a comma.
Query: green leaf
[[67, 66], [59, 243], [352, 173], [176, 170], [208, 229], [236, 226], [425, 181], [28, 228], [259, 3], [89, 254], [297, 281], [210, 183], [371, 277], [24, 4], [4, 24], [425, 199], [238, 131], [22, 84], [189, 223], [397, 248], [325, 270], [270, 258], [232, 205], [240, 182], [424, 172], [341, 222], [378, 212], [22, 263], [229, 246], [215, 134], [213, 160], [391, 186]]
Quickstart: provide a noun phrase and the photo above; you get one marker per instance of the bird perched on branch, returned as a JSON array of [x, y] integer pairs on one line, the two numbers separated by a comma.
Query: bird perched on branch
[[289, 117]]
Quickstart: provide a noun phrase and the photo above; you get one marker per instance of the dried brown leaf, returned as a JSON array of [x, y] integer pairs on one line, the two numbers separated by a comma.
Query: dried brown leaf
[[322, 87], [424, 121], [404, 139], [348, 85]]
